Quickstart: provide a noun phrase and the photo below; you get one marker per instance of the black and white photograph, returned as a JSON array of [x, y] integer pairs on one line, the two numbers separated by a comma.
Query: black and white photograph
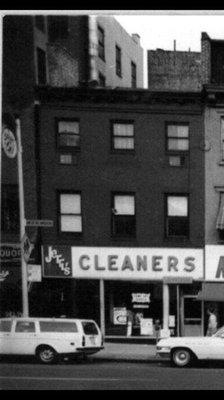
[[112, 200]]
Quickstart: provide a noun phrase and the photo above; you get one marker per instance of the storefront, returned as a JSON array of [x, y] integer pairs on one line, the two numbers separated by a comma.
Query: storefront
[[10, 279], [132, 290], [212, 292]]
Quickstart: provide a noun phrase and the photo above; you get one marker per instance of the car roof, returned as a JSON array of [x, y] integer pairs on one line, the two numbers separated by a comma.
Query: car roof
[[46, 319]]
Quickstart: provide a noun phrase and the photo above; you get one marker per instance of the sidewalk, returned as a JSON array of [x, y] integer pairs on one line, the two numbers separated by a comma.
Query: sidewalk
[[127, 352]]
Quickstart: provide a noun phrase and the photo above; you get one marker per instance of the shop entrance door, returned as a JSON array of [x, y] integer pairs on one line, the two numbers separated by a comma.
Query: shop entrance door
[[191, 316]]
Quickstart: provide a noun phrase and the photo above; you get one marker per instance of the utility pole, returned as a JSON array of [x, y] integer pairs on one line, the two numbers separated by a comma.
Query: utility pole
[[25, 303]]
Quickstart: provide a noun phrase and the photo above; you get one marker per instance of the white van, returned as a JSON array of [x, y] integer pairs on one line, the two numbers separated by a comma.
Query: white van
[[47, 338]]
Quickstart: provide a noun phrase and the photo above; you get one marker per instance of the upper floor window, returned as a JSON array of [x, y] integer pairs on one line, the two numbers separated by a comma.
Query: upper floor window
[[101, 43], [68, 133], [118, 61], [10, 209], [58, 27], [70, 212], [222, 139], [40, 22], [177, 216], [123, 136], [123, 215], [102, 80], [41, 67], [177, 137], [133, 75]]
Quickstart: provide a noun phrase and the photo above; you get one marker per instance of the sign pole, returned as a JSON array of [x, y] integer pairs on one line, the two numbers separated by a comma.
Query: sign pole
[[25, 303]]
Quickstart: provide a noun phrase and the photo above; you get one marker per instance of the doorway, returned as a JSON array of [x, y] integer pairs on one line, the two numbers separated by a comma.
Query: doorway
[[191, 316]]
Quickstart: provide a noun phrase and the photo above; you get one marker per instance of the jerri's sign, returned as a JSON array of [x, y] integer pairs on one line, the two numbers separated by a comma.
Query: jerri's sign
[[214, 263], [136, 263]]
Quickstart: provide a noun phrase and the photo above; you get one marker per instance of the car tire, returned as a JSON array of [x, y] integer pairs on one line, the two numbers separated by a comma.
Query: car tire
[[181, 357], [46, 355]]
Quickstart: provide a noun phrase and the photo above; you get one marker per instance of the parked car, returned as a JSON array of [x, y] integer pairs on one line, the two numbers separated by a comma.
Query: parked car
[[48, 338], [183, 351]]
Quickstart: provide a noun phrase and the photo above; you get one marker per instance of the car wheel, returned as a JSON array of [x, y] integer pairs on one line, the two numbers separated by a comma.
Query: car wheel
[[46, 355], [181, 357]]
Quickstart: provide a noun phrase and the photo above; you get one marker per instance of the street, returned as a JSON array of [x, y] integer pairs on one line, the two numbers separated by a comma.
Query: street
[[106, 375]]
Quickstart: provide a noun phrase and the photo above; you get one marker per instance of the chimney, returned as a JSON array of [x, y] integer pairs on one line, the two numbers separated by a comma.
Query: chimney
[[136, 38]]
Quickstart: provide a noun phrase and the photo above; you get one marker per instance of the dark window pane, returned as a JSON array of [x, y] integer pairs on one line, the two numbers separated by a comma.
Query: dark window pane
[[40, 22], [25, 327], [101, 43], [89, 328], [58, 27], [69, 140], [124, 225], [118, 61], [133, 75], [41, 66], [5, 326], [177, 226], [48, 326]]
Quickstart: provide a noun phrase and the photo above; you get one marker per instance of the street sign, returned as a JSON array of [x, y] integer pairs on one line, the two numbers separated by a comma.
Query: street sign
[[26, 247], [34, 273], [9, 143], [44, 223]]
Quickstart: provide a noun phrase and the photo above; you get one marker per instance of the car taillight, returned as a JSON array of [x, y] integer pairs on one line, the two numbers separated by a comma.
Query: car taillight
[[83, 341]]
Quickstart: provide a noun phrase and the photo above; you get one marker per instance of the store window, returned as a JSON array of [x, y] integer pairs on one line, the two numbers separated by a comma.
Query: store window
[[10, 209], [177, 216], [133, 75], [41, 67], [70, 212], [123, 215], [222, 139], [177, 143], [68, 134], [101, 43], [123, 136], [118, 61]]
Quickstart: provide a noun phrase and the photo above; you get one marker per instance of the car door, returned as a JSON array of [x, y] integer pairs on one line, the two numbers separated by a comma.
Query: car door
[[24, 337], [5, 336]]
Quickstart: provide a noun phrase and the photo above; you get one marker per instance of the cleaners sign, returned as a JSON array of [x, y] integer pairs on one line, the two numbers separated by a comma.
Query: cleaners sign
[[214, 263], [136, 263]]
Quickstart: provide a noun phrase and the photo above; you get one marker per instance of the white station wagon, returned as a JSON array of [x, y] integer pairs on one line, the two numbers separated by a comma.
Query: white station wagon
[[182, 351], [47, 338]]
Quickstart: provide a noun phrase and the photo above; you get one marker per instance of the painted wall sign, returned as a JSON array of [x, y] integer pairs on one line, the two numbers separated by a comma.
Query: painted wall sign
[[214, 263], [56, 261], [136, 263], [10, 252]]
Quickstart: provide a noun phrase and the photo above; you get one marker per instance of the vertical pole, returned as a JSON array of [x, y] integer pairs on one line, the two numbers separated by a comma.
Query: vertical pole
[[102, 307], [178, 310], [166, 306], [22, 220]]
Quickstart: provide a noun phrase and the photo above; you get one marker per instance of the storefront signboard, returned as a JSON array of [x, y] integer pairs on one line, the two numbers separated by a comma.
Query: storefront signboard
[[214, 263], [34, 273], [146, 326], [56, 261], [10, 252], [140, 297], [136, 263], [120, 316]]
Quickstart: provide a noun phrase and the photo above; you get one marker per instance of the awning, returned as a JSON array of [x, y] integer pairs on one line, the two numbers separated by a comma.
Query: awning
[[211, 292], [220, 218]]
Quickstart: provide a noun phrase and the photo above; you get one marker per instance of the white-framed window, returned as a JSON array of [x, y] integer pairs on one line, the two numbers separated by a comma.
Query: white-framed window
[[123, 136], [177, 216], [177, 137], [70, 212], [123, 215], [68, 133]]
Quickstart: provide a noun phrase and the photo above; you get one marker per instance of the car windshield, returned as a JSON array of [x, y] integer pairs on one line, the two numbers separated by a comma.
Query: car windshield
[[220, 332]]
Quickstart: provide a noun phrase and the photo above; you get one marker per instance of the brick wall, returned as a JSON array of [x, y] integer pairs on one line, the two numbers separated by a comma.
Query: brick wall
[[174, 70], [63, 68]]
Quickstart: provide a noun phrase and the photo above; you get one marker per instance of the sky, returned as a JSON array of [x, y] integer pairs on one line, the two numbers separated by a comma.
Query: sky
[[160, 31]]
